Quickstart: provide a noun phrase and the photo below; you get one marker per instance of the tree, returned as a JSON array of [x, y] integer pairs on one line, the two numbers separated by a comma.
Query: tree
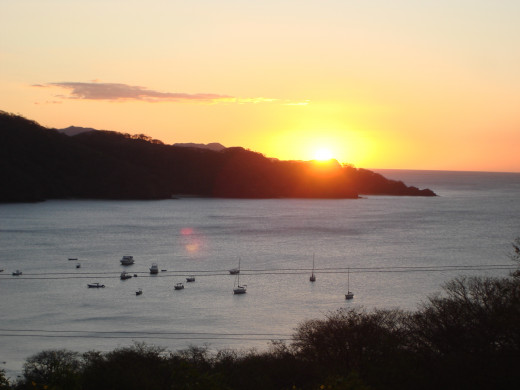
[[515, 256], [353, 340], [140, 366], [56, 368], [4, 382], [469, 336]]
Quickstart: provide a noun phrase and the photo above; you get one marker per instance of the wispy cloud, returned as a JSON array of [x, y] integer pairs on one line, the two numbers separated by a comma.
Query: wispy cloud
[[124, 92]]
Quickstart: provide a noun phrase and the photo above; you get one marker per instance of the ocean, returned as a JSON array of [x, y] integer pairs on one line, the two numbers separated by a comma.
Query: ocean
[[393, 252]]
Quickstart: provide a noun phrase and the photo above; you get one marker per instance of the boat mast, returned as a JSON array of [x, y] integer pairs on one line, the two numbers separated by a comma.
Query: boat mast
[[313, 277], [238, 275]]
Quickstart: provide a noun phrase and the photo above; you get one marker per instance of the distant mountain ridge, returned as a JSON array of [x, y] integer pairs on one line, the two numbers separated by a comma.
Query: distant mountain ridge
[[75, 130], [37, 163], [211, 146]]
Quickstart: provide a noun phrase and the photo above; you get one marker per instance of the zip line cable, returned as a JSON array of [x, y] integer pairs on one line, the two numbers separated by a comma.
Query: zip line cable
[[148, 337], [253, 272], [144, 332], [219, 271], [142, 335]]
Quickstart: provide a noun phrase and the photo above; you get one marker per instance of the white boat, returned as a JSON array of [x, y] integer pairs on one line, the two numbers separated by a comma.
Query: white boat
[[154, 269], [178, 286], [313, 277], [17, 273], [127, 260], [96, 285], [239, 289], [349, 294], [190, 279], [125, 275]]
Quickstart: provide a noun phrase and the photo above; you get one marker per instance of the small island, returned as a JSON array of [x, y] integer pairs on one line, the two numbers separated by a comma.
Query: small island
[[38, 163]]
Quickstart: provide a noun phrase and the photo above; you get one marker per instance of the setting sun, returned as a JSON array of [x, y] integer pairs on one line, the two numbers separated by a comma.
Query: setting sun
[[323, 154]]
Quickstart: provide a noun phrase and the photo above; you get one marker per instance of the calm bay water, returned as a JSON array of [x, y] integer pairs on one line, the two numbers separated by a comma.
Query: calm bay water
[[398, 251]]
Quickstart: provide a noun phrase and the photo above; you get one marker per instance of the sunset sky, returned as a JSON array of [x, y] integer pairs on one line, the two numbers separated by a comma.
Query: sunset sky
[[403, 84]]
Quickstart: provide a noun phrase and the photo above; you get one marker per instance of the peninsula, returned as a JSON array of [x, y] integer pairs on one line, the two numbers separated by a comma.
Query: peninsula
[[37, 163]]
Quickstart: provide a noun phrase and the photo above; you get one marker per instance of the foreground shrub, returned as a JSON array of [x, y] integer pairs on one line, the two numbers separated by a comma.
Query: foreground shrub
[[54, 369], [470, 336]]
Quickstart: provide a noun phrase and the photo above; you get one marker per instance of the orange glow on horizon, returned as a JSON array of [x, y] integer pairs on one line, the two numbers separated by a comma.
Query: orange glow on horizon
[[343, 145]]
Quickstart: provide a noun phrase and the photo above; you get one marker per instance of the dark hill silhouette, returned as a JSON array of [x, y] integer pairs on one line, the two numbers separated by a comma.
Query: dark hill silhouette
[[37, 163]]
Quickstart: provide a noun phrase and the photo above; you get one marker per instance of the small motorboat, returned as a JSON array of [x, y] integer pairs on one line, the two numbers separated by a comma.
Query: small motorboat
[[17, 273], [127, 260], [73, 258], [96, 285], [139, 292], [178, 286], [125, 275], [190, 279], [78, 265], [154, 269]]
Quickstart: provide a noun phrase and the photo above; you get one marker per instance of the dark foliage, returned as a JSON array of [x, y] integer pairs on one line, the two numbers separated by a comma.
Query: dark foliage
[[4, 382], [38, 163], [58, 369], [470, 337]]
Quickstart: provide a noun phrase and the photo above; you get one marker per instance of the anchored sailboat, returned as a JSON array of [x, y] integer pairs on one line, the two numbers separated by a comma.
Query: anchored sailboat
[[238, 289], [313, 277], [349, 294]]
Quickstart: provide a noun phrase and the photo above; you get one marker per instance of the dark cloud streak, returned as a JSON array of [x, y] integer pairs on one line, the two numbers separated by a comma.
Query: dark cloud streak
[[115, 92], [123, 92]]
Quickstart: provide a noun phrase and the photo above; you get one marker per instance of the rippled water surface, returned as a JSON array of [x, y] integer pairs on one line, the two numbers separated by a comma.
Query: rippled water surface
[[395, 251]]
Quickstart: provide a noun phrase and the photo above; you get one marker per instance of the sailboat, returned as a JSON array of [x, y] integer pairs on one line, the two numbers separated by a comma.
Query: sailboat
[[313, 277], [349, 294], [238, 289]]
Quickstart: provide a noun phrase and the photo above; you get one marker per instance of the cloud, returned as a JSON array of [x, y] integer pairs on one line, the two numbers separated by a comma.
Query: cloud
[[304, 103], [123, 92], [49, 102]]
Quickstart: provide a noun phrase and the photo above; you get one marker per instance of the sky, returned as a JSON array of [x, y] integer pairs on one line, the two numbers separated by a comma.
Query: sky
[[397, 84]]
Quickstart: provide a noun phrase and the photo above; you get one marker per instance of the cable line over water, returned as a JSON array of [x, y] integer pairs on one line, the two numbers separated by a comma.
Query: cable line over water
[[274, 271], [142, 335]]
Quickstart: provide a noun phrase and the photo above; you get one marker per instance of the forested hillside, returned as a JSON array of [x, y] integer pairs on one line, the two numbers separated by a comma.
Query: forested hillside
[[37, 163]]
